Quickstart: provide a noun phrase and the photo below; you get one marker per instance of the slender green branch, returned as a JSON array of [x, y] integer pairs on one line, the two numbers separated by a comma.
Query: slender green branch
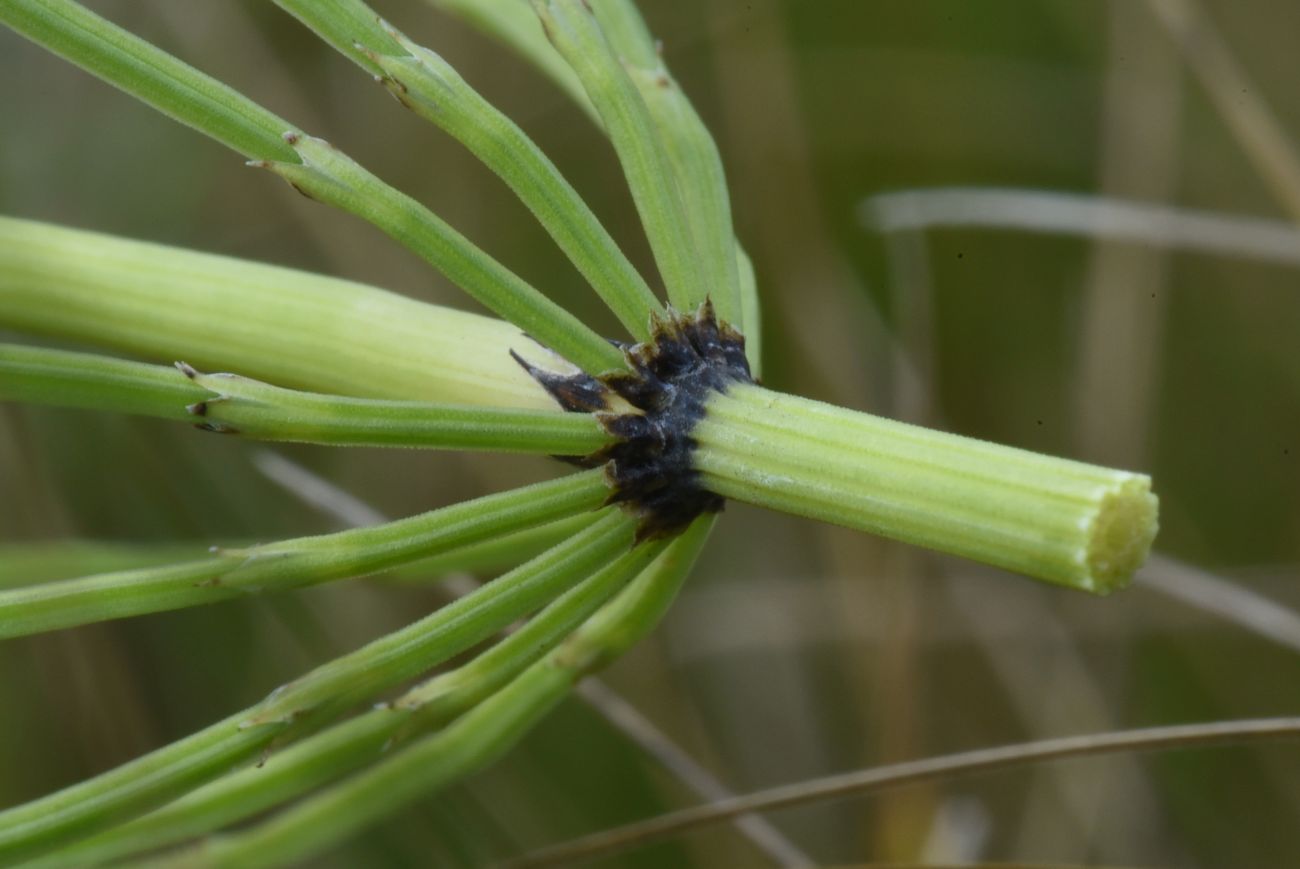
[[311, 165], [510, 22], [290, 327], [46, 561], [41, 376], [94, 804], [264, 412], [467, 620], [327, 755], [692, 154], [1053, 519], [514, 24], [326, 174], [31, 563], [149, 74], [293, 563], [473, 741], [751, 311], [574, 31], [142, 784], [236, 405], [427, 84], [499, 553]]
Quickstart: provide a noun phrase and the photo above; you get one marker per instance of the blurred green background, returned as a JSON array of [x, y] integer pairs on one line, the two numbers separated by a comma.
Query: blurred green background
[[797, 649]]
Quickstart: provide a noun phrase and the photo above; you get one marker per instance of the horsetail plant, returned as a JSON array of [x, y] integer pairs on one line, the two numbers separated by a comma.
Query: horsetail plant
[[667, 424]]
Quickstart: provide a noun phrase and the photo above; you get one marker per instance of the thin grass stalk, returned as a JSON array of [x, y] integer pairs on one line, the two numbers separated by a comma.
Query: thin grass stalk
[[865, 781]]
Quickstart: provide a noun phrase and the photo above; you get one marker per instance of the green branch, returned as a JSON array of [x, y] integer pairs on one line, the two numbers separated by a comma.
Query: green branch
[[574, 31], [474, 740], [150, 74], [229, 404], [693, 157], [1054, 519], [325, 756], [311, 165], [428, 85], [142, 784], [293, 563], [514, 24]]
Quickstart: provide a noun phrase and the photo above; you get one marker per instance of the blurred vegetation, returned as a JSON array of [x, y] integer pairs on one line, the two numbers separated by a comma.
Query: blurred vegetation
[[798, 649]]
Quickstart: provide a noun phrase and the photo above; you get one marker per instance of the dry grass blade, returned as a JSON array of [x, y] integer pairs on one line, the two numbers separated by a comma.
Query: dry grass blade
[[1055, 213], [894, 775], [1255, 125], [1201, 589], [668, 754]]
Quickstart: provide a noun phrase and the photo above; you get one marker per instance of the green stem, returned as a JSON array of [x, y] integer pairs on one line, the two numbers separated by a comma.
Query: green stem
[[28, 563], [456, 626], [324, 173], [693, 156], [293, 563], [313, 166], [514, 24], [428, 85], [751, 311], [489, 556], [236, 405], [331, 753], [291, 327], [142, 784], [1053, 519], [32, 563], [473, 741], [150, 74], [574, 31]]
